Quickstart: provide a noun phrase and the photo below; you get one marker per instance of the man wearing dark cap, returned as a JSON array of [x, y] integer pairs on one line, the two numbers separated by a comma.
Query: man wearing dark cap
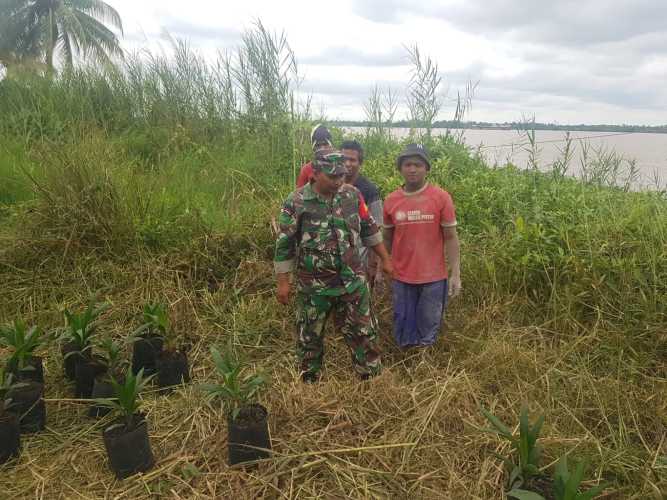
[[322, 226], [320, 139], [420, 231]]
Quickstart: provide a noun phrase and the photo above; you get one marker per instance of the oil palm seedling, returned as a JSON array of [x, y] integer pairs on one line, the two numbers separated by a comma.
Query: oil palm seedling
[[10, 432], [523, 465], [248, 432], [78, 336], [149, 339], [22, 343], [567, 484], [126, 438], [114, 364], [171, 361]]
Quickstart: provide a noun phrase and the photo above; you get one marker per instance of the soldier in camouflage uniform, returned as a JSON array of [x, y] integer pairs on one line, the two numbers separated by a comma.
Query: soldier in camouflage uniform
[[322, 226]]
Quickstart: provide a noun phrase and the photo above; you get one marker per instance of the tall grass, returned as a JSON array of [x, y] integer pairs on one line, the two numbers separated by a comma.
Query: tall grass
[[243, 102]]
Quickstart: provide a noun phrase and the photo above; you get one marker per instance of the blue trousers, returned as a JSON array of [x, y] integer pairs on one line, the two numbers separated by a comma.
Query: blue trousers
[[418, 312]]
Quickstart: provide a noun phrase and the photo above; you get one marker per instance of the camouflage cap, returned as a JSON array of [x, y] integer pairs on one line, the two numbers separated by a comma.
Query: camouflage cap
[[331, 163]]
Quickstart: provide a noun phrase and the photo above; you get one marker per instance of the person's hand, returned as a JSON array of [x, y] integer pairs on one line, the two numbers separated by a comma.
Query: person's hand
[[283, 292], [454, 285], [372, 274], [388, 268], [379, 276]]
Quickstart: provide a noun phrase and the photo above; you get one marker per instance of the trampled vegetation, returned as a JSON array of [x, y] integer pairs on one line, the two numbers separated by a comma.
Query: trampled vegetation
[[158, 181]]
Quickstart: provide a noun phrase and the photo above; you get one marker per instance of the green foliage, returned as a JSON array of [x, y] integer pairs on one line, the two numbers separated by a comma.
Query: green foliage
[[7, 385], [126, 395], [568, 483], [111, 351], [236, 390], [520, 494], [35, 29], [22, 341], [156, 319], [526, 464], [81, 327]]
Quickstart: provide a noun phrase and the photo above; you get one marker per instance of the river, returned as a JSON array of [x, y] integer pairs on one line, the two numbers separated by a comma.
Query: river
[[646, 152]]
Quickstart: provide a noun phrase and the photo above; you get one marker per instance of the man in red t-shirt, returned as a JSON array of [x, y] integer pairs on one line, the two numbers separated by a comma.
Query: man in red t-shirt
[[420, 232], [320, 138]]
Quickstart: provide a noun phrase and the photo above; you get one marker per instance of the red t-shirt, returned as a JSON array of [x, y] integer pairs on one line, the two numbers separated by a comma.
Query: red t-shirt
[[305, 175], [418, 248]]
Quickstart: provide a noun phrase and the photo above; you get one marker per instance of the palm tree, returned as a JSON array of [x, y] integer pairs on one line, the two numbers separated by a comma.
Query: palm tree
[[37, 29]]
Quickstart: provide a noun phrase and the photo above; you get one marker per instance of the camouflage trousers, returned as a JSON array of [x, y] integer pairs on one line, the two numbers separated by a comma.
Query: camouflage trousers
[[352, 317]]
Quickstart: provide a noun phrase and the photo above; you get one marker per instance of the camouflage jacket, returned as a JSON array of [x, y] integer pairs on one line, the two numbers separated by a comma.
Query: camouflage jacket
[[321, 239]]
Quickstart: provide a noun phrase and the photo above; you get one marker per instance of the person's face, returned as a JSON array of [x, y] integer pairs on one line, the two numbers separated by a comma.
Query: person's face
[[351, 162], [327, 184], [414, 170]]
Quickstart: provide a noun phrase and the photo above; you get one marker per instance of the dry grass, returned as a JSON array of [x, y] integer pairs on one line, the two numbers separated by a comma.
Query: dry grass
[[413, 432]]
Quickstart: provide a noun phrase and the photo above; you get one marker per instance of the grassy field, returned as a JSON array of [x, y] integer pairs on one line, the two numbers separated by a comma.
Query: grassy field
[[157, 183]]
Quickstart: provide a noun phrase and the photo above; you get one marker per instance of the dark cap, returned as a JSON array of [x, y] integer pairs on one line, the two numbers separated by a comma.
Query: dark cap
[[414, 150], [331, 163], [320, 135]]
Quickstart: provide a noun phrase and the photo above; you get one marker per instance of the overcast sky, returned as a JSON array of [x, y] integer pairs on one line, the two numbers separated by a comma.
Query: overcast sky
[[584, 61]]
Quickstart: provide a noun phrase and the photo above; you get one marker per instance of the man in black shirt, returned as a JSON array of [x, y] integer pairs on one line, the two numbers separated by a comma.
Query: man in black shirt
[[354, 157]]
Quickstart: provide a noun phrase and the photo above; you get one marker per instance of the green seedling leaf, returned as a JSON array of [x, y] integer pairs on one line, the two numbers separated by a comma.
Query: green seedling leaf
[[22, 342], [515, 479], [234, 390], [499, 427], [567, 484], [524, 495]]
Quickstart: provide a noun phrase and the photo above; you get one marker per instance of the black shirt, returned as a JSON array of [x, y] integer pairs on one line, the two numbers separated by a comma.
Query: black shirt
[[368, 189]]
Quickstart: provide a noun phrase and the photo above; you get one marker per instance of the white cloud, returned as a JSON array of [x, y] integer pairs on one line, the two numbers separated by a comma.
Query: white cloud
[[605, 64]]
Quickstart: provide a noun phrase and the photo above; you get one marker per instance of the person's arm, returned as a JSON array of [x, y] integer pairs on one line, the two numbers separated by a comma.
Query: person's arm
[[452, 253], [375, 208], [371, 237], [451, 250], [374, 263], [285, 250], [388, 234], [385, 259]]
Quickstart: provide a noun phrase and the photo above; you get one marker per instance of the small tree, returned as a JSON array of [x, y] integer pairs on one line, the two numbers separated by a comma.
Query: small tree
[[32, 29]]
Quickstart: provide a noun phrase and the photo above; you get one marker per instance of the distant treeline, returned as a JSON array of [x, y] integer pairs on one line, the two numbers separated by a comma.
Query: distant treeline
[[659, 129]]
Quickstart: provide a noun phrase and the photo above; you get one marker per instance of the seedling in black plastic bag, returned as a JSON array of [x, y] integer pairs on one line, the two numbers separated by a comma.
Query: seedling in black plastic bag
[[81, 327], [235, 390]]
